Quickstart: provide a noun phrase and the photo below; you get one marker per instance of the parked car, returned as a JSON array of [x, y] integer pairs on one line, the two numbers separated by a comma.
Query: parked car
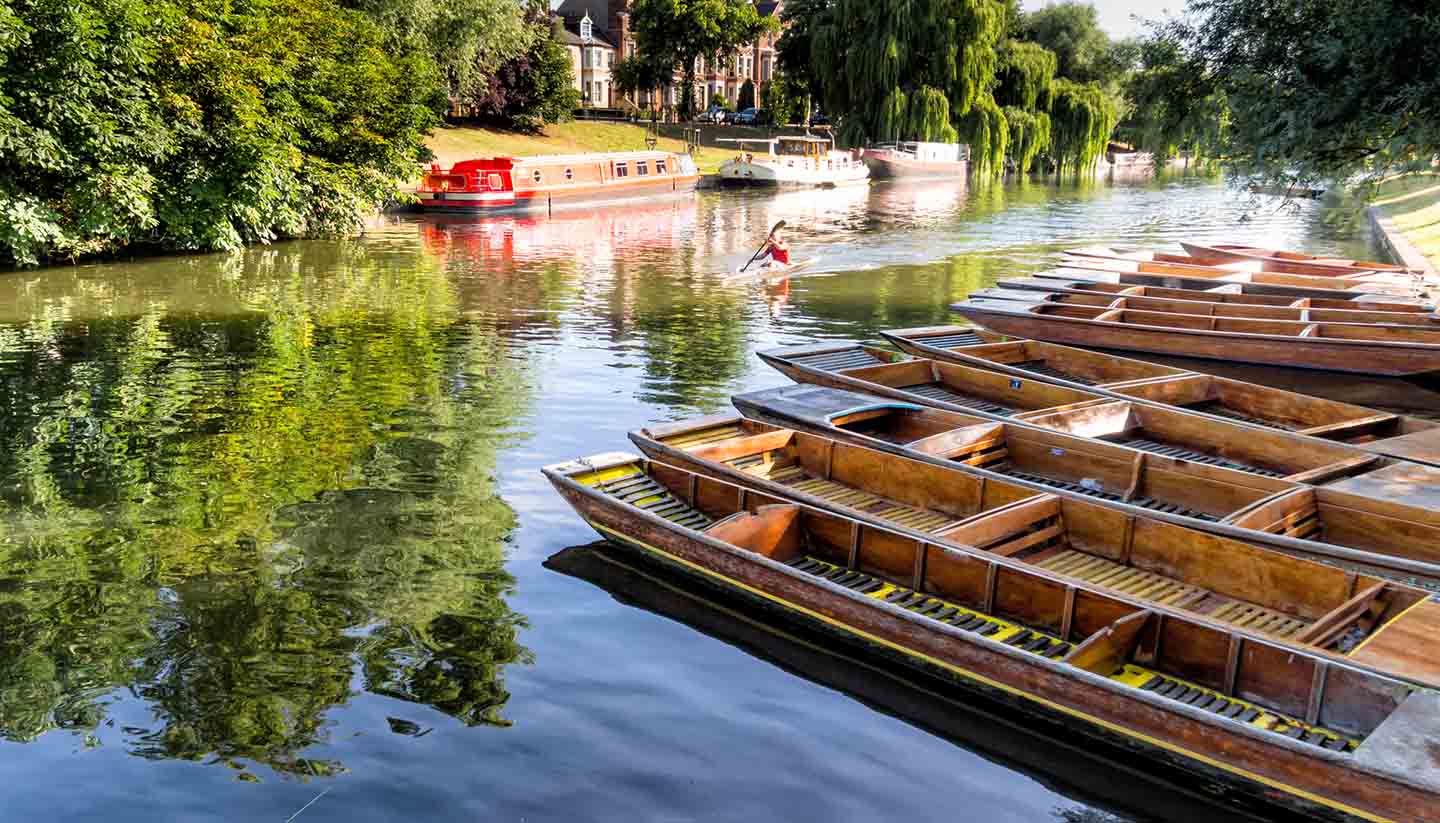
[[714, 114], [748, 117]]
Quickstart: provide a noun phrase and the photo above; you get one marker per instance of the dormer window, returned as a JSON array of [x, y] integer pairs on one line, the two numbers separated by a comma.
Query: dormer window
[[587, 29]]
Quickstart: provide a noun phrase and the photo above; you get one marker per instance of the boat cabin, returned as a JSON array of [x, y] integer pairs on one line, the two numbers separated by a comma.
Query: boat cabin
[[493, 183]]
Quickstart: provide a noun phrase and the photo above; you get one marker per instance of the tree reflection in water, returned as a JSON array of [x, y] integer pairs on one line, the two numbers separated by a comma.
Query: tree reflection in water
[[227, 516]]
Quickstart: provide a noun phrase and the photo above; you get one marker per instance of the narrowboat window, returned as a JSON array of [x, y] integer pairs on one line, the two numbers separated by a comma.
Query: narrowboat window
[[659, 166], [494, 181], [622, 169], [569, 173], [642, 167], [536, 176]]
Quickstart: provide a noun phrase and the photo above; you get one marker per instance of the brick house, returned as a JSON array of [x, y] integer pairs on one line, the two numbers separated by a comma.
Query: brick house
[[609, 20], [592, 54]]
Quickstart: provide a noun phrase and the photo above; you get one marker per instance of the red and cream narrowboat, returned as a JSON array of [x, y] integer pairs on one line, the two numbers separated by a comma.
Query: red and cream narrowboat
[[545, 183]]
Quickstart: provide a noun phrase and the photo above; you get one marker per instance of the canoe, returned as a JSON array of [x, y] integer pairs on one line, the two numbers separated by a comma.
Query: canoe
[[1249, 283], [1232, 295], [1147, 562], [1347, 522], [1153, 428], [1386, 282], [1236, 251], [770, 270], [1396, 435], [1297, 728], [926, 700], [1302, 309], [1392, 351], [1194, 257]]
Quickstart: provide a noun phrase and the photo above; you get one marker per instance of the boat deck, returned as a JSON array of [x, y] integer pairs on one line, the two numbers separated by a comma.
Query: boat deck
[[1043, 367], [1219, 409], [852, 358], [1047, 645], [945, 393], [1164, 506], [1136, 439]]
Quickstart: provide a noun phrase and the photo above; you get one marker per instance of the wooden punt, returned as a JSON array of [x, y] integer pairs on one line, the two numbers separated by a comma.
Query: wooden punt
[[1335, 522], [1392, 351], [1246, 283], [1304, 729], [1240, 252], [1246, 587], [1302, 309], [1388, 282], [1234, 293], [1395, 435], [928, 700], [1257, 264], [1153, 428]]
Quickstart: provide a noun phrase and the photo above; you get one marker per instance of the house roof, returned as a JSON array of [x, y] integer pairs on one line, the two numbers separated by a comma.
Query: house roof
[[767, 9], [599, 37]]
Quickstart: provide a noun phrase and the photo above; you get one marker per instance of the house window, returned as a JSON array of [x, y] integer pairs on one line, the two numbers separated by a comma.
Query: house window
[[642, 167], [659, 166], [569, 173], [587, 29], [610, 60], [621, 169]]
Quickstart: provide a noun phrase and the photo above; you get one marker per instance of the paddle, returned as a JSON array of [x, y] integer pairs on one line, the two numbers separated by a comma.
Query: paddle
[[773, 229]]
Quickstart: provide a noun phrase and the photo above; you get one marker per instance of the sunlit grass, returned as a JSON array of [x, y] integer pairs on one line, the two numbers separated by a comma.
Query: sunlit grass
[[457, 143], [1413, 203]]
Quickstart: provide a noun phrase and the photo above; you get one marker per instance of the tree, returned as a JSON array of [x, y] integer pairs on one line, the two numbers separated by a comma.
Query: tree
[[746, 98], [538, 87], [467, 40], [676, 33], [1176, 104], [641, 72], [1025, 90], [1072, 31], [908, 72], [783, 99], [1321, 89], [199, 125]]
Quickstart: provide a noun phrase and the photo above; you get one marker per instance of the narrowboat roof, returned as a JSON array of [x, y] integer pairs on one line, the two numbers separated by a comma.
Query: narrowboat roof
[[507, 161]]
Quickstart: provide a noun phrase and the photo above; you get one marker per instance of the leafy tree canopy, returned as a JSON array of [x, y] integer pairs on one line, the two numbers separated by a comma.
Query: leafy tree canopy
[[1320, 89], [536, 87], [674, 33], [1072, 31]]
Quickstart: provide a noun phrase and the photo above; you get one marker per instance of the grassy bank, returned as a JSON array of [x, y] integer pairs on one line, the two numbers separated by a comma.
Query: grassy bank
[[1413, 203], [464, 142]]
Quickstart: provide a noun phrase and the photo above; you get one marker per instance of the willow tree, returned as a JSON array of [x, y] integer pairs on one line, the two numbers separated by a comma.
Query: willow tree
[[1025, 91], [906, 71], [1081, 121]]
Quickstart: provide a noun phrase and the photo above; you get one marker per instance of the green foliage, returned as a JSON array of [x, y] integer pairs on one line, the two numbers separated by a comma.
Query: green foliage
[[989, 137], [1026, 76], [1321, 89], [1029, 134], [903, 72], [467, 40], [784, 99], [640, 72], [793, 49], [1081, 122], [1176, 104], [675, 33], [198, 126], [718, 101], [537, 87], [746, 98], [1072, 31]]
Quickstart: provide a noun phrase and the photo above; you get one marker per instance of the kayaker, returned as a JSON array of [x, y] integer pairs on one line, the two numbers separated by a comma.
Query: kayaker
[[778, 249]]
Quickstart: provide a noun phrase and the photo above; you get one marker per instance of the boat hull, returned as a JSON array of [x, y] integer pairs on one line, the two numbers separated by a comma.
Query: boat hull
[[1302, 781], [885, 167], [1319, 354], [548, 201], [741, 173]]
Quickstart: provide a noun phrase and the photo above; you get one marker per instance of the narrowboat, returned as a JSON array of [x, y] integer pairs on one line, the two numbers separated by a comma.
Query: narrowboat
[[546, 183], [917, 160], [1314, 734], [796, 160]]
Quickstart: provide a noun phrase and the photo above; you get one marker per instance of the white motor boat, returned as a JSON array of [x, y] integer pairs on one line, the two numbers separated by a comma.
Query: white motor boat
[[799, 160]]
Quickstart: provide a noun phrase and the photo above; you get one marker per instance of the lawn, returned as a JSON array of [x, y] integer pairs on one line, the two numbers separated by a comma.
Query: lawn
[[454, 143], [1413, 202]]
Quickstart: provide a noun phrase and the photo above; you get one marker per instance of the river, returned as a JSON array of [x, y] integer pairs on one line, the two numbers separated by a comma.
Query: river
[[273, 542]]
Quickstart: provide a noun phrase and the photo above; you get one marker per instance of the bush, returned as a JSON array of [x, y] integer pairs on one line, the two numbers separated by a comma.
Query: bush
[[746, 97], [198, 125], [718, 101]]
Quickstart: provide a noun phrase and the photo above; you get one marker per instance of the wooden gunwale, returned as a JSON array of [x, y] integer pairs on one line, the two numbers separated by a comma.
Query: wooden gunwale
[[1326, 779], [1244, 282], [912, 341], [658, 451], [1389, 565], [1235, 251], [1212, 295], [1215, 308], [1377, 357], [1327, 278]]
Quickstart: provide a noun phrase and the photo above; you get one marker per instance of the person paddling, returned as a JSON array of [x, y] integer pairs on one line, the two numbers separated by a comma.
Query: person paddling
[[777, 249]]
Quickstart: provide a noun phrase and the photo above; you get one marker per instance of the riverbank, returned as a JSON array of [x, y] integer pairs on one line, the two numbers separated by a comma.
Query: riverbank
[[454, 143], [1406, 214]]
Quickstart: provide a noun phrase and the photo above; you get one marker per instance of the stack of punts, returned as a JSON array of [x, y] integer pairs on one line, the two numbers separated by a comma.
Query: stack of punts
[[1339, 270], [1240, 252], [1194, 275], [1390, 350], [1295, 722], [1397, 435]]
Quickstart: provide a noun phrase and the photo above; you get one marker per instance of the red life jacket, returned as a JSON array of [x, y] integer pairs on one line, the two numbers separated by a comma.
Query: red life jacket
[[780, 254]]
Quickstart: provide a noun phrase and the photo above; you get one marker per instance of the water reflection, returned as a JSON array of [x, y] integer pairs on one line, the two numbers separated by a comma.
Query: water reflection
[[222, 514]]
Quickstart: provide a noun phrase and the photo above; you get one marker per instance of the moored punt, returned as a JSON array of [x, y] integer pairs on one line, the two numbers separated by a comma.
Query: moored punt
[[1302, 309], [1304, 729], [1385, 282], [1277, 265], [1248, 588], [1394, 351], [1232, 294], [1336, 522], [1396, 435], [1235, 251], [1152, 428], [1248, 283]]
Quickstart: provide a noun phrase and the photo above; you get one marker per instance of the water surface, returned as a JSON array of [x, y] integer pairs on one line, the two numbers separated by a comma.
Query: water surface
[[272, 534]]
